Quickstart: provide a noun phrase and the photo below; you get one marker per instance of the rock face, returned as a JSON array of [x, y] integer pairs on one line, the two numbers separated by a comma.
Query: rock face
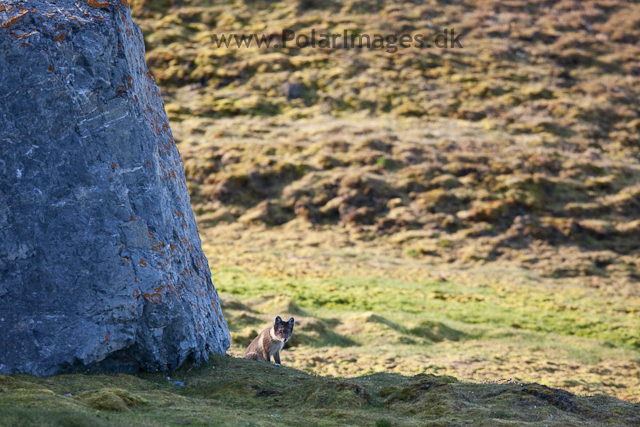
[[101, 265]]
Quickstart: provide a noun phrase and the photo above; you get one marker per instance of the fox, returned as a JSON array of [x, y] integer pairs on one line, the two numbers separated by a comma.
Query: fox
[[270, 341]]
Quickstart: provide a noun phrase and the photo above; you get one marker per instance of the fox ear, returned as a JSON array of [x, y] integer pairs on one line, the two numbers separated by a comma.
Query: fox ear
[[291, 321], [278, 320]]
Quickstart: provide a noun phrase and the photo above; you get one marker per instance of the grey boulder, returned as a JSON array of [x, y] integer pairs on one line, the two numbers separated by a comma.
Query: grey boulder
[[101, 266]]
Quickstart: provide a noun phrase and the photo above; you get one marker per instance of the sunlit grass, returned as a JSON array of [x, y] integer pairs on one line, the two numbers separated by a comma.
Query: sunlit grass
[[574, 312]]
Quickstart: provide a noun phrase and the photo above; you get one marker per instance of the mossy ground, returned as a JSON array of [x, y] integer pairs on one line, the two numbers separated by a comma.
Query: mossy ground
[[367, 307], [230, 391]]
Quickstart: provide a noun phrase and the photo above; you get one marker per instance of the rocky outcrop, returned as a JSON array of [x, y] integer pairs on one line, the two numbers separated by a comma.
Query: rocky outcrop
[[101, 265]]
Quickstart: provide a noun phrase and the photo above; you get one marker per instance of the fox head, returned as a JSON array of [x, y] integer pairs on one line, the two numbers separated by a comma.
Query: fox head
[[283, 329]]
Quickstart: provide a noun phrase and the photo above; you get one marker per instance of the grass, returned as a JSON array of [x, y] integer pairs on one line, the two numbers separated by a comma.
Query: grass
[[229, 391], [365, 306], [571, 313], [563, 337]]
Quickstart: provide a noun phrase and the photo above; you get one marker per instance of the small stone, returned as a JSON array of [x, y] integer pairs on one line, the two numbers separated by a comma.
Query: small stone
[[178, 383], [294, 90], [68, 395]]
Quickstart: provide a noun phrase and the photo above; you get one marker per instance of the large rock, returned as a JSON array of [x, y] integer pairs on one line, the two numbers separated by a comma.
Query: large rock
[[100, 260]]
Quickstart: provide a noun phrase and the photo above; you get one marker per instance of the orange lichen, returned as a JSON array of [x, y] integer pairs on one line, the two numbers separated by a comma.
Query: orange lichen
[[178, 213], [114, 166], [106, 336], [159, 289], [51, 68], [154, 298], [142, 263], [61, 37], [136, 292], [75, 18], [98, 4], [125, 3], [13, 20]]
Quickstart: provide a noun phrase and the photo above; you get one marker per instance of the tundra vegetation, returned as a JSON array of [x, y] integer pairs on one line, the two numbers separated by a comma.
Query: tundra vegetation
[[424, 215]]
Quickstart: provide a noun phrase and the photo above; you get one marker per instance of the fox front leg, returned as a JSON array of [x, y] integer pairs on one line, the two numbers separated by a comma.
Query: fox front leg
[[276, 358], [265, 355]]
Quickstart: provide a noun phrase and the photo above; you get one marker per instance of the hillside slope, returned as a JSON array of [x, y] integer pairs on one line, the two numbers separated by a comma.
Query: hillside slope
[[524, 140], [469, 212]]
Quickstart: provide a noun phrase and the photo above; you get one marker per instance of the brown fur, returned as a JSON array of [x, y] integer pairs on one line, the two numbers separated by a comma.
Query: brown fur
[[270, 341]]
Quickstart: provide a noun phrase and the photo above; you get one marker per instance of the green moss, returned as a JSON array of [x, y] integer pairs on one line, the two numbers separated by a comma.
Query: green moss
[[387, 391], [230, 391], [337, 394], [105, 400]]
